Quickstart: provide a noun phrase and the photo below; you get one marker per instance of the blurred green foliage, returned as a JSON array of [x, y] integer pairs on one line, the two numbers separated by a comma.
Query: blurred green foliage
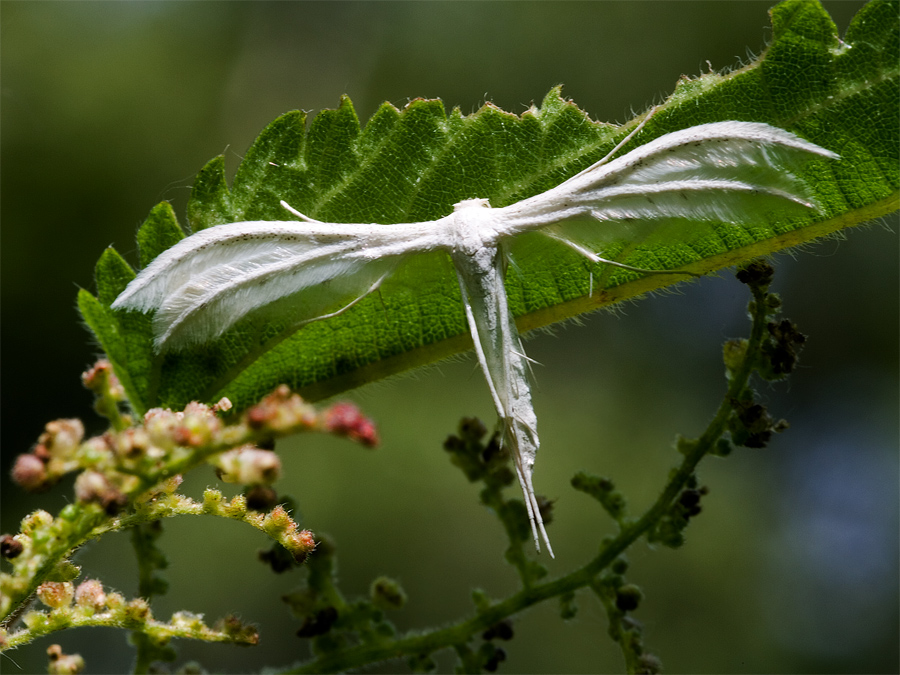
[[109, 108]]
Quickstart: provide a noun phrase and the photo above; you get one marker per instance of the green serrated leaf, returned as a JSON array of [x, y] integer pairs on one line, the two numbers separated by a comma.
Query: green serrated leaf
[[413, 164], [158, 232], [105, 327], [112, 275], [123, 336], [210, 202]]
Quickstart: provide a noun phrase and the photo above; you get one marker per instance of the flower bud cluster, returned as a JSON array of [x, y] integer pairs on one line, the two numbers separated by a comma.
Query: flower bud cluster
[[101, 380], [604, 491], [87, 604], [38, 543], [278, 523], [196, 426], [135, 471], [281, 410], [94, 487], [63, 664], [170, 442], [72, 605]]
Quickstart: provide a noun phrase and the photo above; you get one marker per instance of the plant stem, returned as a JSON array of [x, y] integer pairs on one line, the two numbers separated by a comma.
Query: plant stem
[[460, 633]]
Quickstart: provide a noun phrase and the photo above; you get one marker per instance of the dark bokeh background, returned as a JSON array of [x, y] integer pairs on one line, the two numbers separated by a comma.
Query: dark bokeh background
[[108, 108]]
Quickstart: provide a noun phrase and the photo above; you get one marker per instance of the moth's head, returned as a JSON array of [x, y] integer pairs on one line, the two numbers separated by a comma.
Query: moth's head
[[472, 204]]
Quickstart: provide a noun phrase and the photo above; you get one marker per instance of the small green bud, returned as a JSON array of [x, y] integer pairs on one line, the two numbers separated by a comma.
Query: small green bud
[[188, 621], [70, 513], [212, 500], [236, 508], [387, 594], [723, 448], [567, 607], [138, 611], [733, 353]]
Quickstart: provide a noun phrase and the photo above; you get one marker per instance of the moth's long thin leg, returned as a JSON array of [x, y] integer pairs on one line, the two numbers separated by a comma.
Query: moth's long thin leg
[[619, 145], [371, 289], [594, 258], [302, 217]]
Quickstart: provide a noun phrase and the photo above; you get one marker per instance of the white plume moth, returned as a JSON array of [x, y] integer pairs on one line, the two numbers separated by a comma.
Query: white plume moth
[[725, 172]]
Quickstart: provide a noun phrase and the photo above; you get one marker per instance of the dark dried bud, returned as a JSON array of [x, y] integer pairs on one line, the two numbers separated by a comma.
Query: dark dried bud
[[628, 597], [261, 497], [278, 558], [545, 506], [493, 662], [319, 624], [757, 273], [472, 429], [10, 547], [499, 631]]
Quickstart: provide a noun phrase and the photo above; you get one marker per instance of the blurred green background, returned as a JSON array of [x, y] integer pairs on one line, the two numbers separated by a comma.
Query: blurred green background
[[109, 108]]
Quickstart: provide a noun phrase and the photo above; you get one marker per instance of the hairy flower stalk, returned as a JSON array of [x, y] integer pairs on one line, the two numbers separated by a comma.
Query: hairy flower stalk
[[127, 478]]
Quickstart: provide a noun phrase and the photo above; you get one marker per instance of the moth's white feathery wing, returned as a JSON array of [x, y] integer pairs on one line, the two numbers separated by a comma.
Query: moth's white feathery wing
[[207, 282], [731, 172]]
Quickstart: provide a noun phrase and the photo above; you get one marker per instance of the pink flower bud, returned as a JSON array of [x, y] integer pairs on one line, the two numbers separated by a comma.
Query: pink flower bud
[[299, 544], [89, 595], [223, 405], [347, 420], [29, 472]]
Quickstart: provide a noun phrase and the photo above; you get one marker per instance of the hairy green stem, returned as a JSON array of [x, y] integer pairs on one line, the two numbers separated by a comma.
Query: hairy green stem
[[460, 633]]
